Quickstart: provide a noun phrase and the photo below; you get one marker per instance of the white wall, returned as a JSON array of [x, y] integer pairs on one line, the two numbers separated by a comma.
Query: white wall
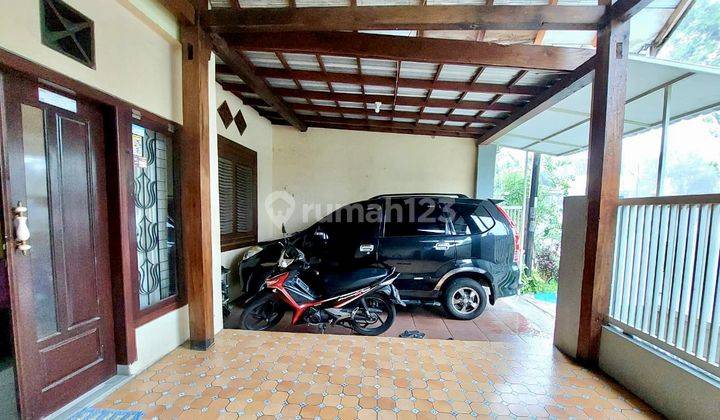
[[258, 136], [134, 61], [137, 60], [337, 167], [485, 172], [672, 389], [572, 260]]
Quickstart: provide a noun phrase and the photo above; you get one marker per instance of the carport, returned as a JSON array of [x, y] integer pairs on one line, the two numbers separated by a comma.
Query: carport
[[323, 68]]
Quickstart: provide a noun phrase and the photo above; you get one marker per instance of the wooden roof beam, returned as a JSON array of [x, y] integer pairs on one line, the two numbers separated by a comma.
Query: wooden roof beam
[[350, 78], [369, 99], [397, 114], [398, 48], [242, 68], [472, 17], [373, 128], [183, 10], [570, 84]]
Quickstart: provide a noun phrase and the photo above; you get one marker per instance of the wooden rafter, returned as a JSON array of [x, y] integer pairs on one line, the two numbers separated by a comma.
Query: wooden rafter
[[670, 24], [430, 91], [392, 124], [368, 99], [390, 129], [405, 17], [435, 50], [562, 89], [395, 114], [357, 79], [245, 70]]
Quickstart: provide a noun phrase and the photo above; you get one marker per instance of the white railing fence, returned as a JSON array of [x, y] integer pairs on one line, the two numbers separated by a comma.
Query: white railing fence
[[517, 215], [665, 275]]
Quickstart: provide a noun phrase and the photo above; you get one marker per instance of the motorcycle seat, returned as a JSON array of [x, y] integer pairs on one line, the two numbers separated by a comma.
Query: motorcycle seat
[[343, 281]]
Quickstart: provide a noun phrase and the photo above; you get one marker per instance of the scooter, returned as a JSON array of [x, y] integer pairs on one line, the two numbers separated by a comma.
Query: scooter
[[362, 299]]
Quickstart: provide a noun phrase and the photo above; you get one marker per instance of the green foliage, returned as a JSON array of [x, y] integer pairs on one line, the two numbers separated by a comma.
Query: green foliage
[[696, 39], [535, 283]]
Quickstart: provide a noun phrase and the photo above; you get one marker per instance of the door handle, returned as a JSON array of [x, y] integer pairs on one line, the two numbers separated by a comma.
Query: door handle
[[367, 248], [22, 232], [442, 246]]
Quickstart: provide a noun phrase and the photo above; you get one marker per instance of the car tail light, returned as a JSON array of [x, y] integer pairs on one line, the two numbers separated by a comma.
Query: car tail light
[[277, 281], [516, 235]]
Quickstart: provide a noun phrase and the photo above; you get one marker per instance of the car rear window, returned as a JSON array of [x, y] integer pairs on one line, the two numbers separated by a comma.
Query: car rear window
[[469, 218]]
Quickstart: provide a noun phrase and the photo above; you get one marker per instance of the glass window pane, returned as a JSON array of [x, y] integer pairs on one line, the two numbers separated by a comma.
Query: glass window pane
[[640, 158], [36, 190], [155, 221], [692, 164], [414, 217]]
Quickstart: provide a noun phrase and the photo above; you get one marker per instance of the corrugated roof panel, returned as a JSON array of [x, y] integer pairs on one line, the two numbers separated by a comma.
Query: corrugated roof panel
[[346, 87], [494, 114], [434, 110], [513, 99], [498, 75], [388, 2], [229, 78], [354, 116], [294, 100], [302, 61], [407, 108], [454, 123], [322, 3], [569, 38], [415, 70], [445, 94], [378, 90], [280, 83], [376, 67], [304, 112], [314, 85], [429, 122], [413, 92], [250, 95], [378, 118], [263, 59], [404, 32], [403, 120], [330, 114], [478, 125], [351, 104], [465, 112], [478, 97], [262, 3], [521, 2], [454, 2], [538, 78], [457, 73], [338, 64], [322, 102]]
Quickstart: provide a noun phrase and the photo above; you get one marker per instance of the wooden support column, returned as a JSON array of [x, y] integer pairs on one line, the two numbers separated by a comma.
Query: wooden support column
[[195, 186], [603, 183]]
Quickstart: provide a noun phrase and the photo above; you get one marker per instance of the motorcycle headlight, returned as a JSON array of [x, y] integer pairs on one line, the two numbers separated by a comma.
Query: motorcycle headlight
[[252, 251]]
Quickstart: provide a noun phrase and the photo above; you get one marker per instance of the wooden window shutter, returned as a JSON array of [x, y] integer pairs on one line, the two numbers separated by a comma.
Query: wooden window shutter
[[237, 179]]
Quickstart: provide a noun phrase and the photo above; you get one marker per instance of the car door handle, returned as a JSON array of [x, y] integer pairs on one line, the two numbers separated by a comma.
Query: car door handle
[[442, 246], [367, 248]]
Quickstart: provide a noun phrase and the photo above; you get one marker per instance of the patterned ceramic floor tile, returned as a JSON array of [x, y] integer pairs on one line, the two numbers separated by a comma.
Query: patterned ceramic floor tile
[[293, 375]]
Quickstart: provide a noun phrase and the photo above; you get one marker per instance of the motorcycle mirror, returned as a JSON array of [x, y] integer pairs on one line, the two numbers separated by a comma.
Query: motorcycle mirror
[[284, 231]]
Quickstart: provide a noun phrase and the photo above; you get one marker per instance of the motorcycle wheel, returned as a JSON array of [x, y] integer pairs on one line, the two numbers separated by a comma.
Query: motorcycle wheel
[[379, 316], [261, 314]]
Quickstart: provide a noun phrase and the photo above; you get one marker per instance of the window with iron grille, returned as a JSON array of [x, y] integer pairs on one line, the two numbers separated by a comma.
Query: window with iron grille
[[67, 31], [237, 177]]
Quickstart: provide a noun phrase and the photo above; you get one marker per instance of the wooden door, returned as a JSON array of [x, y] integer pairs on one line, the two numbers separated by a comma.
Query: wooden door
[[62, 308]]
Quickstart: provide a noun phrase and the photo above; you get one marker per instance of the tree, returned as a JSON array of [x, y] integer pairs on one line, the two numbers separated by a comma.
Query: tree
[[696, 39]]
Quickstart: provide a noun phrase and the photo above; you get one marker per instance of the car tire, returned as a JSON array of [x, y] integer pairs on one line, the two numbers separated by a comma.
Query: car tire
[[464, 298]]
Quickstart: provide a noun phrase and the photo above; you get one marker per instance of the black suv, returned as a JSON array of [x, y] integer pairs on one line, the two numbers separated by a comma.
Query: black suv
[[445, 246]]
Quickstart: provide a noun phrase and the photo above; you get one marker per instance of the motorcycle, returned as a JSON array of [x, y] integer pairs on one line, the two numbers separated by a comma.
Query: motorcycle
[[361, 299]]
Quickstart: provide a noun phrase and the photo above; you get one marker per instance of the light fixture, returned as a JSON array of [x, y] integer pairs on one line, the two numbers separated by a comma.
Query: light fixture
[[377, 107]]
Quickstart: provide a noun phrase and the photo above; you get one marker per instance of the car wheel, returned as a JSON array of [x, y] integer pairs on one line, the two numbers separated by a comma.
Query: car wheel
[[464, 299]]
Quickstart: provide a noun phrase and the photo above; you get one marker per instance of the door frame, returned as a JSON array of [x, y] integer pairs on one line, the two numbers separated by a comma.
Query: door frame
[[118, 117]]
